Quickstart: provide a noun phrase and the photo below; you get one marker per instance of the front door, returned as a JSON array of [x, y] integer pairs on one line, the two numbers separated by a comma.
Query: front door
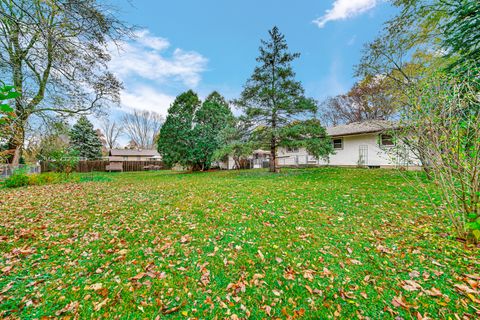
[[363, 155]]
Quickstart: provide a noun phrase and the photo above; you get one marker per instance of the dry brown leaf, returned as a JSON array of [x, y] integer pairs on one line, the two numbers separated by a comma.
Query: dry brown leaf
[[71, 307], [98, 306], [289, 274], [309, 289], [434, 292], [260, 254], [411, 285], [400, 302], [94, 287], [138, 276]]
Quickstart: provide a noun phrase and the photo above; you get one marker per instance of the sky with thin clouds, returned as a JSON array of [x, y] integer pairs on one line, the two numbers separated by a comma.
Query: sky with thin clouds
[[212, 45]]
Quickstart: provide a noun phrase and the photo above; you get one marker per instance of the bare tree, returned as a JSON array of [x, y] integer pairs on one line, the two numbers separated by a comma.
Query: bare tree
[[55, 53], [142, 127], [111, 131], [369, 99]]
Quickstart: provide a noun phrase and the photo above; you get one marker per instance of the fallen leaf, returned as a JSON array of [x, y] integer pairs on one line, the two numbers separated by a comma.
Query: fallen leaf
[[138, 276], [414, 274], [7, 287], [309, 289], [411, 285], [434, 292], [98, 306], [94, 287], [260, 254], [71, 307], [268, 310], [400, 302]]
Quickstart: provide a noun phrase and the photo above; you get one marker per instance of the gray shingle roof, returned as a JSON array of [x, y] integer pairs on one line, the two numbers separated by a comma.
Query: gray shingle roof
[[363, 127], [134, 152]]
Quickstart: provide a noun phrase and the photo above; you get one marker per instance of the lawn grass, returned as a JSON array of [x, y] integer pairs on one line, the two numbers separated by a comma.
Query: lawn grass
[[307, 243]]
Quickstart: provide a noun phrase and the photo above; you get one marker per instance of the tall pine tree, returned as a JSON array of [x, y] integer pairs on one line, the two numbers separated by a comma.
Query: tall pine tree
[[84, 140], [275, 102]]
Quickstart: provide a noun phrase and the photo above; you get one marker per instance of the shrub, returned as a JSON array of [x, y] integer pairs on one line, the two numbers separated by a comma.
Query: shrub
[[18, 179], [49, 178], [64, 160], [442, 123]]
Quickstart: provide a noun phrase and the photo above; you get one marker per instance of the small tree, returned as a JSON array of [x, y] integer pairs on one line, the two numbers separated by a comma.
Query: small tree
[[235, 141], [272, 99], [443, 123], [84, 140], [63, 160]]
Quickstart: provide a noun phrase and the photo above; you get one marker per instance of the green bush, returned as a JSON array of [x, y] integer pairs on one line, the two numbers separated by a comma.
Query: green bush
[[49, 178], [18, 179], [64, 160], [21, 179]]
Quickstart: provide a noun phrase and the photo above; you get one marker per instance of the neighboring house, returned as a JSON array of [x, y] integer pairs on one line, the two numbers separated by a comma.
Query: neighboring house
[[135, 154], [365, 144]]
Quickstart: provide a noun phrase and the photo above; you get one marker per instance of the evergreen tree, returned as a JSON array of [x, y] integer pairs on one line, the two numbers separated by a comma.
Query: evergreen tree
[[191, 133], [273, 100], [210, 120], [175, 142], [84, 140]]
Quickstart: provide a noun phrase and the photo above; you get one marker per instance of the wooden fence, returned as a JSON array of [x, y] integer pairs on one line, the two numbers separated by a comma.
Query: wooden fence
[[100, 166]]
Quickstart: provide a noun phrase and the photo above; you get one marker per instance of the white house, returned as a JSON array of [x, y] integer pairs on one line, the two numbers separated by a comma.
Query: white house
[[365, 144], [135, 154]]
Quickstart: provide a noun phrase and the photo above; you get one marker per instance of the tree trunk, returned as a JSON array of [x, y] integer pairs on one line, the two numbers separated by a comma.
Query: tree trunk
[[16, 142], [273, 157]]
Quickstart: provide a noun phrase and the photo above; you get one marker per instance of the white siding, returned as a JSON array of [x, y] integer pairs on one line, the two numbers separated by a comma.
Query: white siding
[[349, 155]]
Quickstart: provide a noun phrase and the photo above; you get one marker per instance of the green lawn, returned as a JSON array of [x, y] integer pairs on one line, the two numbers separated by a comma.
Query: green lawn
[[312, 243]]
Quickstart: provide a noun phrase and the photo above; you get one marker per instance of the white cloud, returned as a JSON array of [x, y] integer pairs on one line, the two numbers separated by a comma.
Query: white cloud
[[146, 57], [149, 68], [145, 38], [344, 9], [146, 98]]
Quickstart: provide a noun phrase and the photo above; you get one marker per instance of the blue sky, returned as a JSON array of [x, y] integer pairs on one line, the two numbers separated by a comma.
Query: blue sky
[[212, 45]]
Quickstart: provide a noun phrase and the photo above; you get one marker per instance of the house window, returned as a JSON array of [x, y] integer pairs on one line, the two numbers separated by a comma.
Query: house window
[[292, 150], [337, 144], [386, 140]]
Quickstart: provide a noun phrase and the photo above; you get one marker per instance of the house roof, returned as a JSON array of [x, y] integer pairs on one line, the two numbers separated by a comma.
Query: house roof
[[370, 126], [134, 152], [260, 151]]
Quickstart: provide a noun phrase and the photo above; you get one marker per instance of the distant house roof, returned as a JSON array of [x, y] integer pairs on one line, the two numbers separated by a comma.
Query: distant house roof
[[370, 126], [134, 152], [260, 151]]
